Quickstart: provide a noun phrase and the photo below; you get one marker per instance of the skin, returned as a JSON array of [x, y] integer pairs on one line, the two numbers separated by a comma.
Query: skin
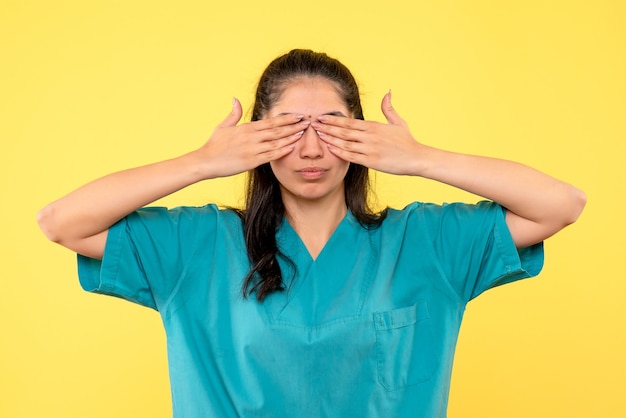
[[311, 177], [310, 171], [80, 220], [309, 126], [538, 206]]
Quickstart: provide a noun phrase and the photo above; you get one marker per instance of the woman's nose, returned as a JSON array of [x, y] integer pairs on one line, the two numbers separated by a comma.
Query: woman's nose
[[311, 145]]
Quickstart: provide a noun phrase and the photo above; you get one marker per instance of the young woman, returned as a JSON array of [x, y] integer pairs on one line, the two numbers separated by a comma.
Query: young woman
[[304, 302]]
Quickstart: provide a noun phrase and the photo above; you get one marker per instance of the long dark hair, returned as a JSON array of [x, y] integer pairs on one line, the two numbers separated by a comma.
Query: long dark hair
[[264, 209]]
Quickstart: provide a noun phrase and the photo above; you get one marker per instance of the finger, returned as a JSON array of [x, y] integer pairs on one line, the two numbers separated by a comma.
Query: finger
[[234, 116], [277, 121], [283, 142], [350, 156], [280, 132], [280, 148], [390, 113], [271, 147], [277, 154], [353, 147], [346, 134], [343, 122]]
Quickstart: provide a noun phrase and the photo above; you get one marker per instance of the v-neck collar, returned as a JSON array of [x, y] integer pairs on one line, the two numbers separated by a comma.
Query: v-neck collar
[[290, 242], [329, 288]]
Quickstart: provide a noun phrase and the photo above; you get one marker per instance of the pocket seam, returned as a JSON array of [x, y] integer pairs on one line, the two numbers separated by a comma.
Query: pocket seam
[[394, 321]]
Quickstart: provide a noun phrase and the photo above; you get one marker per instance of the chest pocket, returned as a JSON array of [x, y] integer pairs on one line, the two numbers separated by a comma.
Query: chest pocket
[[404, 350]]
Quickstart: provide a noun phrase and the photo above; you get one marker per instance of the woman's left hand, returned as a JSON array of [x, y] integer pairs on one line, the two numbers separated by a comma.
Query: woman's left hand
[[389, 148], [537, 205]]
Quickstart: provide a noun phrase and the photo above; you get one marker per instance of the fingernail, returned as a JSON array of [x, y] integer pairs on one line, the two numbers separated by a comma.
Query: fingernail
[[320, 134], [297, 134], [298, 117], [234, 101]]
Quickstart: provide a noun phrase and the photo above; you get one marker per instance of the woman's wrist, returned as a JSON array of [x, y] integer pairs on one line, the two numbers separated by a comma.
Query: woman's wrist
[[424, 162], [198, 166]]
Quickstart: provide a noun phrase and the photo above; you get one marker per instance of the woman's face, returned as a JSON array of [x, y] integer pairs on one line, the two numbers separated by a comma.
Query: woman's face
[[310, 172]]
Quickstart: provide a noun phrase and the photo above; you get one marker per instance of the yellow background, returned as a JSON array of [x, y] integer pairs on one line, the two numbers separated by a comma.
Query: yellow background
[[90, 87]]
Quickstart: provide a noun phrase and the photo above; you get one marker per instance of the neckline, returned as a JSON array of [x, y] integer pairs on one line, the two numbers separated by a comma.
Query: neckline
[[292, 238]]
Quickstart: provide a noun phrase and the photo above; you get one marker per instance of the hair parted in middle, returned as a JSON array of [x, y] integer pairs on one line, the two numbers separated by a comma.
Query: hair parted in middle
[[264, 210]]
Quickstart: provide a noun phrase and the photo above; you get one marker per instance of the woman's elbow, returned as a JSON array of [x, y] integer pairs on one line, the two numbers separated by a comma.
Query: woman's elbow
[[47, 223], [576, 202]]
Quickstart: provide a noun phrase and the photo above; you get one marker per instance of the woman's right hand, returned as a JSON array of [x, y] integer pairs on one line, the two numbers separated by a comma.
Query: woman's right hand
[[233, 149], [80, 220]]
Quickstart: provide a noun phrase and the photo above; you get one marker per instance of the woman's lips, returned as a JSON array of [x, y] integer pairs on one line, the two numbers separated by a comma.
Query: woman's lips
[[312, 173]]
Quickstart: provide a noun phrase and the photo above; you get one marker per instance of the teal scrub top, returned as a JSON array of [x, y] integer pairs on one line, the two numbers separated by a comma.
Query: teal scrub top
[[368, 329]]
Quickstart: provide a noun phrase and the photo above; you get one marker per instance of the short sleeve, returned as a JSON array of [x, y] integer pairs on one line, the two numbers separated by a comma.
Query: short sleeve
[[146, 253], [476, 250]]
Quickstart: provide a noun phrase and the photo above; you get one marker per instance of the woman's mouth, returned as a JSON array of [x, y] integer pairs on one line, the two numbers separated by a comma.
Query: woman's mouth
[[312, 173]]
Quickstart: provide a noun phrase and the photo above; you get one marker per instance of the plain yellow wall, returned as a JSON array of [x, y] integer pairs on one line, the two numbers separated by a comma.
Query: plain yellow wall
[[90, 87]]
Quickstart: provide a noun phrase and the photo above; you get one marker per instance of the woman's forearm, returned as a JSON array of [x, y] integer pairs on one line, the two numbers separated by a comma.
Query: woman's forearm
[[540, 205], [81, 219], [94, 207]]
